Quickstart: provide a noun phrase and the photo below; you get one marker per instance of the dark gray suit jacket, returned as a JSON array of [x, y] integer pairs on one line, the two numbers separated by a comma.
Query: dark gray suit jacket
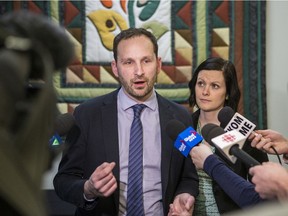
[[94, 140]]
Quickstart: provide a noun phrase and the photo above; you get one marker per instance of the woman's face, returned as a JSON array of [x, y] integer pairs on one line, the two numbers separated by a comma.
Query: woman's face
[[210, 90]]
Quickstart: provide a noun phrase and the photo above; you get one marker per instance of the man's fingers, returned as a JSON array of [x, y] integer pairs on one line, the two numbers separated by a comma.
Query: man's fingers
[[100, 182], [103, 170], [102, 176], [189, 203], [109, 187], [106, 167]]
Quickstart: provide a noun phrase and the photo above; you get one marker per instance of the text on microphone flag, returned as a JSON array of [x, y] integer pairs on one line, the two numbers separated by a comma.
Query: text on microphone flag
[[186, 140], [241, 124]]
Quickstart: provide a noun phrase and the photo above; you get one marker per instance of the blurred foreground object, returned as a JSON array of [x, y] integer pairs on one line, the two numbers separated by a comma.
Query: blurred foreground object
[[265, 209], [32, 47]]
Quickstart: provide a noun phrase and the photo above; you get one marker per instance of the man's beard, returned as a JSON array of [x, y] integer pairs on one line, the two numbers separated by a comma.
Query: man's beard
[[128, 87]]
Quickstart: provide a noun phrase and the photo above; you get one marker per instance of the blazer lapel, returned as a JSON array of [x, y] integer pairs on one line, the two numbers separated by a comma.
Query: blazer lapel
[[165, 114], [110, 135]]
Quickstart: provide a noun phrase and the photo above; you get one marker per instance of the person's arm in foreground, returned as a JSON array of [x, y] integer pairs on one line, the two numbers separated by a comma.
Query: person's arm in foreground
[[238, 189]]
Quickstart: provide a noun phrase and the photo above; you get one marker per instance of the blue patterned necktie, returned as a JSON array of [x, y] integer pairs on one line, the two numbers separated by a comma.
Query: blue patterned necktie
[[135, 205]]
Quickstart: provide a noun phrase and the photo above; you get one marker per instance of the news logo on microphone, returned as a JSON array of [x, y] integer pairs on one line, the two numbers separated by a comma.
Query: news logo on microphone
[[186, 140], [224, 142], [55, 140]]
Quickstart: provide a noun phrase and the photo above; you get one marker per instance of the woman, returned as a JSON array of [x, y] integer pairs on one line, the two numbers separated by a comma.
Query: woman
[[214, 85]]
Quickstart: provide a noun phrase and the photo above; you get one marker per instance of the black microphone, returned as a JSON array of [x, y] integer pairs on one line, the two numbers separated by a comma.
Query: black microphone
[[225, 115], [228, 143], [185, 138], [62, 126]]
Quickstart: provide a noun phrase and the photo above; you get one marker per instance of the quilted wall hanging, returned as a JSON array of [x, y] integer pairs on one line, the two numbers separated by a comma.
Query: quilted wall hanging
[[187, 32]]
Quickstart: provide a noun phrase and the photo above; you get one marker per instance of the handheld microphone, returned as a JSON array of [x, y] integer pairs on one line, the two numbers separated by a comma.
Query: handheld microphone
[[230, 120], [229, 143], [225, 115], [63, 124], [185, 139]]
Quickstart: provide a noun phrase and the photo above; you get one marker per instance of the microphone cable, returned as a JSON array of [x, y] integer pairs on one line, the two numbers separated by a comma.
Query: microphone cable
[[276, 153]]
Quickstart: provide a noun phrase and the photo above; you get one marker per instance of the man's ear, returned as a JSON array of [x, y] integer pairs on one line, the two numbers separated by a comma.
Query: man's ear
[[114, 68], [159, 64]]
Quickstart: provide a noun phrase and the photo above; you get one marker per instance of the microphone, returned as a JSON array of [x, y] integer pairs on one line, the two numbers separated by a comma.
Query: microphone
[[63, 124], [228, 143], [229, 120], [185, 139]]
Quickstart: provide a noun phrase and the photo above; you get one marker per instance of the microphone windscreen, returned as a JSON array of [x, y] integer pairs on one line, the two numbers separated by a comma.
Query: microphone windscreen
[[209, 131], [64, 123], [174, 128], [225, 115]]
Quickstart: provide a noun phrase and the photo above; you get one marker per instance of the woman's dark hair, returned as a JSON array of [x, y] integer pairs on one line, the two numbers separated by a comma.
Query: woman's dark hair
[[130, 33], [232, 89]]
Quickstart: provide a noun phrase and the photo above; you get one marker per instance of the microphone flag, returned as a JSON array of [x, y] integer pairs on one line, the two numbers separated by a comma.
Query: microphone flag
[[55, 140], [186, 140], [225, 141], [241, 124]]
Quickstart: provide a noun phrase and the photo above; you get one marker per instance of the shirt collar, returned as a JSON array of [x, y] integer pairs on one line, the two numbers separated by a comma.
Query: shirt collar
[[126, 102]]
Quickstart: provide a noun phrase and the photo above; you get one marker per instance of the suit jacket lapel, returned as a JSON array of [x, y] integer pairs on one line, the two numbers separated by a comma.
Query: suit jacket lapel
[[110, 135], [166, 114]]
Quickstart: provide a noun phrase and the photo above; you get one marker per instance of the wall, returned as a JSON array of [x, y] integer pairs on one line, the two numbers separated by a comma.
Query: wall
[[276, 70], [276, 62], [277, 74]]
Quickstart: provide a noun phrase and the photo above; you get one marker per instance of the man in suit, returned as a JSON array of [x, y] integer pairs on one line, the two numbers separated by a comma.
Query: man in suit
[[93, 173]]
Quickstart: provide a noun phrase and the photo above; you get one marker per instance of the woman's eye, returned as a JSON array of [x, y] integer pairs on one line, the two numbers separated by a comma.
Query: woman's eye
[[200, 84]]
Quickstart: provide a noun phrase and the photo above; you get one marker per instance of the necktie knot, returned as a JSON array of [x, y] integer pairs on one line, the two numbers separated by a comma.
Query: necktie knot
[[138, 108]]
